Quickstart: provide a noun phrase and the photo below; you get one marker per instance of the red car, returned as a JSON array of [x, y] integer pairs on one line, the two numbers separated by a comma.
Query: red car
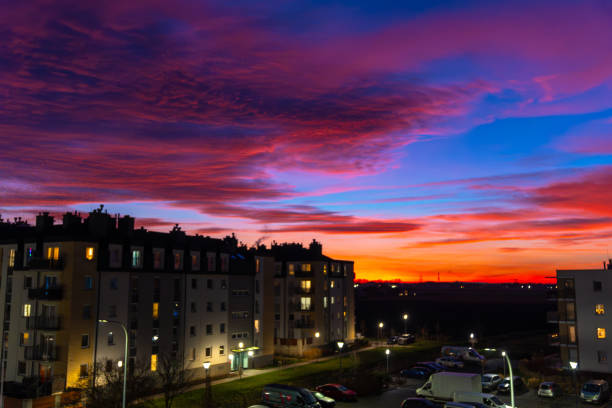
[[337, 392]]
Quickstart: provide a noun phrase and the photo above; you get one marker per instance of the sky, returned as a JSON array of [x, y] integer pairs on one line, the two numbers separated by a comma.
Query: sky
[[465, 140]]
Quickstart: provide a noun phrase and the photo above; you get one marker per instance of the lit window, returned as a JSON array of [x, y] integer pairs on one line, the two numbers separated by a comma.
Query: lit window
[[572, 334], [178, 261], [599, 309], [305, 303], [601, 333], [305, 267], [291, 269], [53, 253], [158, 259], [331, 284], [136, 258], [153, 362], [195, 262], [23, 339], [89, 253], [325, 269], [256, 324], [156, 310], [11, 262], [306, 284], [325, 302], [27, 309]]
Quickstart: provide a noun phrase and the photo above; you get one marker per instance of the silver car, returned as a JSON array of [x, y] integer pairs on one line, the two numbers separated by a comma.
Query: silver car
[[549, 389], [490, 381]]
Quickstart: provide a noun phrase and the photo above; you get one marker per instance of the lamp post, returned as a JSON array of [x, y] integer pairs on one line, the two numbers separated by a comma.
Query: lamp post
[[380, 330], [317, 335], [387, 353], [340, 345], [472, 340], [574, 366], [240, 358], [249, 355], [504, 354], [208, 390], [125, 356], [405, 317]]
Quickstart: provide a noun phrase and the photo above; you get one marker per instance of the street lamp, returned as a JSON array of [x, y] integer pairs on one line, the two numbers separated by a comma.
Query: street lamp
[[504, 354], [340, 345], [405, 317], [574, 366], [317, 335], [124, 358], [387, 353], [380, 329], [208, 390]]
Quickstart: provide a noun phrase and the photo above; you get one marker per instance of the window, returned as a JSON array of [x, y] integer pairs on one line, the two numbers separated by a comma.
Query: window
[[601, 333], [256, 306], [209, 283], [209, 329], [84, 340], [156, 310], [332, 284], [325, 269], [195, 261], [153, 362], [193, 307], [109, 366], [240, 315], [115, 256], [257, 286], [89, 253], [178, 260], [306, 267], [602, 357], [112, 311], [599, 309], [572, 334], [192, 331], [136, 258], [210, 257], [111, 339], [224, 263], [223, 284], [21, 368], [291, 269], [305, 303], [27, 310], [597, 286], [86, 312], [23, 338], [194, 283], [332, 299], [53, 253], [83, 370], [177, 289], [11, 259], [114, 284], [209, 306], [88, 283], [221, 350], [208, 351], [277, 316], [240, 292], [158, 259], [306, 285], [223, 307], [256, 325], [222, 328], [193, 354], [27, 282], [345, 302]]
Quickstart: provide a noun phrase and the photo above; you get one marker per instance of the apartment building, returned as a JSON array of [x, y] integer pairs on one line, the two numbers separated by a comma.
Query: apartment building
[[584, 318], [314, 298]]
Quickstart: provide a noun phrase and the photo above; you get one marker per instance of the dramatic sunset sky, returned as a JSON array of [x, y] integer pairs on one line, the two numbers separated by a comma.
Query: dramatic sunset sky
[[468, 138]]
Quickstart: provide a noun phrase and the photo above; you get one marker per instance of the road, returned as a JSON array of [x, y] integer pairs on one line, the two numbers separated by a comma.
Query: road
[[394, 397]]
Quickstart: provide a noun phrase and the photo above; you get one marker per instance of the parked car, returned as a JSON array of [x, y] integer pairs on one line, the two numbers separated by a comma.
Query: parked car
[[504, 385], [287, 396], [406, 338], [325, 402], [419, 403], [431, 365], [457, 405], [490, 381], [392, 340], [337, 392], [596, 391], [475, 404], [450, 362], [415, 372], [549, 389]]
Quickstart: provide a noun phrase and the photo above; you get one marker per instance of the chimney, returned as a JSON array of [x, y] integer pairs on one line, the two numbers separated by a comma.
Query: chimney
[[316, 247], [126, 224], [44, 222]]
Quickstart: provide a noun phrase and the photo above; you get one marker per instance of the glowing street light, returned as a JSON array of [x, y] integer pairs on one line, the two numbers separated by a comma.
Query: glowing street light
[[387, 353], [574, 365], [125, 332], [241, 345], [317, 335], [504, 354], [405, 317], [340, 345]]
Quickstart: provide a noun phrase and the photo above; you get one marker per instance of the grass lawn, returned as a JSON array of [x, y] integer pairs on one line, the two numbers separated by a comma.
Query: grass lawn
[[247, 391]]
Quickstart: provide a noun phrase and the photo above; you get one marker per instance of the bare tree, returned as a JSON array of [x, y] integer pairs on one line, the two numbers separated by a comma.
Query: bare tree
[[172, 378]]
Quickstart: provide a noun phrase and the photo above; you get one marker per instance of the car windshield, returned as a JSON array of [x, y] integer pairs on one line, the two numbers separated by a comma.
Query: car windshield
[[496, 401], [342, 388], [590, 388], [545, 387], [308, 397]]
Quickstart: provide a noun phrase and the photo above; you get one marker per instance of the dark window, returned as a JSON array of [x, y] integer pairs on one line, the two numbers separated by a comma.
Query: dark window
[[277, 316], [223, 308], [209, 329], [194, 283], [256, 286], [209, 283], [193, 307], [27, 283], [109, 365], [222, 328], [83, 371], [192, 331], [223, 284], [111, 339], [21, 368], [88, 283], [112, 311], [208, 351], [209, 306], [114, 285], [177, 289], [85, 340], [87, 312], [602, 356], [597, 286], [156, 289]]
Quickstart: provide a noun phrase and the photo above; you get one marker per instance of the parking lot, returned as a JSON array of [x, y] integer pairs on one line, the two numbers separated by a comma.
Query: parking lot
[[394, 397]]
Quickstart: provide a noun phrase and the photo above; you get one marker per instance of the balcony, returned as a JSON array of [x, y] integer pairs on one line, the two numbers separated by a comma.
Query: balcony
[[297, 307], [41, 353], [51, 293], [43, 323], [560, 317], [43, 263], [303, 324], [298, 290]]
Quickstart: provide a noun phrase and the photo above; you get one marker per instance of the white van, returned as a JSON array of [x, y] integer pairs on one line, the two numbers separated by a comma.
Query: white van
[[489, 400]]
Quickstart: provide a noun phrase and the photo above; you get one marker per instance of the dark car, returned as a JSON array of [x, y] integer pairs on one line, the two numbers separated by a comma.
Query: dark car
[[419, 403], [475, 404], [415, 372], [392, 340], [337, 392], [504, 385], [433, 366], [406, 338], [549, 389], [325, 402]]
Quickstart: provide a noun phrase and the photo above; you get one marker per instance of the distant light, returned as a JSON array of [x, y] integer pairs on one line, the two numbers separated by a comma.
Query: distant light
[[503, 354], [471, 335], [241, 345], [405, 316], [393, 286], [317, 335], [103, 321], [119, 363], [250, 353], [573, 364], [387, 351], [231, 357], [340, 345], [155, 338], [381, 325], [528, 286], [206, 365]]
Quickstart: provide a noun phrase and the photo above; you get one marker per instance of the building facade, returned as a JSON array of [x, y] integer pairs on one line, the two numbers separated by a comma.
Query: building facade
[[584, 318], [68, 288]]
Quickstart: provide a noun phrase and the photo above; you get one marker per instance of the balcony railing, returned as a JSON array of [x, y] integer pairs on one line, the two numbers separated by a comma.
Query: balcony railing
[[303, 324], [43, 323], [302, 291], [41, 353], [300, 308], [50, 293], [43, 263]]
